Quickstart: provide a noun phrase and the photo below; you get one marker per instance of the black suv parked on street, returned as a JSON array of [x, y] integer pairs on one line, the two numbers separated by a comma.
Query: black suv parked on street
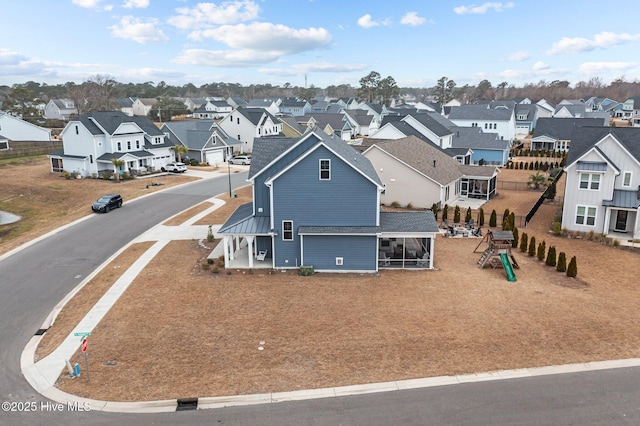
[[106, 203]]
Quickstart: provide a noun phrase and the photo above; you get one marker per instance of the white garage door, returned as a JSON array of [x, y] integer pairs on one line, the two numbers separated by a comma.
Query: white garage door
[[215, 157]]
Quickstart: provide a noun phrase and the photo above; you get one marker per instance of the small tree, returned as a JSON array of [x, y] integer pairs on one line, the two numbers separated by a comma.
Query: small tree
[[562, 262], [445, 213], [180, 150], [551, 256], [557, 228], [434, 209], [493, 219], [550, 192], [537, 180], [542, 249], [467, 217], [117, 163], [481, 217], [506, 224], [512, 220], [572, 269], [514, 243], [456, 215], [523, 242], [532, 247]]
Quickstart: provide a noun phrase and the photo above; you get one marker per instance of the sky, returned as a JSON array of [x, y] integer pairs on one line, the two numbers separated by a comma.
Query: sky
[[319, 42]]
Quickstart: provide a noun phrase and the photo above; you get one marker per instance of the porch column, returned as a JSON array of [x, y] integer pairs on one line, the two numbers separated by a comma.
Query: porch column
[[607, 218], [225, 247], [431, 252], [250, 248]]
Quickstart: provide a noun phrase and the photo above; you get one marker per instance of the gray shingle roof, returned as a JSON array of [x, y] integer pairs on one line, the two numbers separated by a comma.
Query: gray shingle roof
[[475, 138], [479, 112], [408, 222], [111, 120], [562, 128], [431, 120], [584, 138], [421, 156]]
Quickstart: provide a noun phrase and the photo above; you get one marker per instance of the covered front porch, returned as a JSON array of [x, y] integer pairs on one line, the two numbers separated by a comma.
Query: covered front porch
[[247, 237], [622, 218]]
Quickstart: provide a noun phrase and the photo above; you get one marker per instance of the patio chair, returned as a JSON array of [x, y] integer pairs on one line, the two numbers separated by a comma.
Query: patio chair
[[423, 262], [262, 254], [476, 232], [383, 260], [470, 224]]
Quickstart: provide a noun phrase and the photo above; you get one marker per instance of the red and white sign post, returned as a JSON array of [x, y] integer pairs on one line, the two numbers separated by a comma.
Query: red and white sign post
[[84, 348]]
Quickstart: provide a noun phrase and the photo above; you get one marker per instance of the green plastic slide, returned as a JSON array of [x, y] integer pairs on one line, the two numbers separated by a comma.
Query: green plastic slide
[[507, 267]]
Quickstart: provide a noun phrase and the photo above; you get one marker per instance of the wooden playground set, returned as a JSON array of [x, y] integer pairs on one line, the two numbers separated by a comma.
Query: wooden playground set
[[498, 252]]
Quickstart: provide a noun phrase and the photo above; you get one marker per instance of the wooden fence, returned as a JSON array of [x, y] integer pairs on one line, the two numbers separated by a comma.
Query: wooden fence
[[29, 148]]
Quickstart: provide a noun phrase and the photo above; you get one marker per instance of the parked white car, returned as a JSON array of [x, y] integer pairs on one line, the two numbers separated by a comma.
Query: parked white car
[[175, 168], [245, 160]]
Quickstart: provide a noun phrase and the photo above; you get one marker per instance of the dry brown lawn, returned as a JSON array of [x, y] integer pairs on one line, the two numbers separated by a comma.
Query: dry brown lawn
[[180, 332]]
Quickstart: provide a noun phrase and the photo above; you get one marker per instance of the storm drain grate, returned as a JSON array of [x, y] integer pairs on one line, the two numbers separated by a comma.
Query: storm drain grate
[[41, 331], [185, 404]]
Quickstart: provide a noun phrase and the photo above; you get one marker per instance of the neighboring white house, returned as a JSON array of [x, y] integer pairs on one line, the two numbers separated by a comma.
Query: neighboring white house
[[16, 129], [491, 118], [59, 109], [142, 106], [91, 141], [270, 104], [212, 109], [245, 124], [602, 187]]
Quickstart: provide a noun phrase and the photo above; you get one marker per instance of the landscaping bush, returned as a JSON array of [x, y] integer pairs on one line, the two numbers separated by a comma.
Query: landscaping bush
[[445, 213], [562, 262], [551, 256], [524, 242], [467, 217], [434, 209], [506, 224], [514, 243], [512, 220], [532, 247], [481, 217], [542, 248], [456, 215], [493, 219], [572, 269], [557, 228]]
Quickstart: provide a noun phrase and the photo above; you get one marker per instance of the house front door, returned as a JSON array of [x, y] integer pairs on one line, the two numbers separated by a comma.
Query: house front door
[[621, 221]]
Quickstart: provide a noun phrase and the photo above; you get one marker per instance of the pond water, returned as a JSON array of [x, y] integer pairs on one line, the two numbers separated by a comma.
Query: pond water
[[6, 217]]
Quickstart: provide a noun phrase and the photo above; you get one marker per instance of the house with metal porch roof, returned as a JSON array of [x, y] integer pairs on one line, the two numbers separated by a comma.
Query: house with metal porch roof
[[316, 201]]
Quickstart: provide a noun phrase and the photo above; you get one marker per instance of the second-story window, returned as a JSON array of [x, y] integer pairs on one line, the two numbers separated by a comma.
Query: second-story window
[[590, 181], [137, 144], [325, 169], [128, 144], [626, 179], [119, 146]]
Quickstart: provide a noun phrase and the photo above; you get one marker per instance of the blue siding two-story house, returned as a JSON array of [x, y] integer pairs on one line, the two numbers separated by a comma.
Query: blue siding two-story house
[[316, 201]]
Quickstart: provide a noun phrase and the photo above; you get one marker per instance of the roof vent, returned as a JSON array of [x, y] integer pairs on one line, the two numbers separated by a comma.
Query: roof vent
[[434, 163]]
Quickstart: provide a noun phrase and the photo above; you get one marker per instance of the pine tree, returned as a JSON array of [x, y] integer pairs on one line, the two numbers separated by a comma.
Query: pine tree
[[467, 217], [562, 262], [523, 242], [512, 220], [506, 224], [532, 247], [481, 217], [493, 219], [514, 243], [542, 248], [551, 256], [445, 213], [456, 215], [572, 269]]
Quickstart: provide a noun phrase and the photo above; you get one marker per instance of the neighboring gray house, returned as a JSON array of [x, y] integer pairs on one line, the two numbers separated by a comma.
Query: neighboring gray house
[[316, 202], [602, 188], [555, 134], [295, 107], [60, 109], [207, 143], [92, 140]]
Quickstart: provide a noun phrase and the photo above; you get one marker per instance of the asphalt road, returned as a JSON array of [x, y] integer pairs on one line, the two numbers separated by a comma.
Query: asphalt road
[[35, 279]]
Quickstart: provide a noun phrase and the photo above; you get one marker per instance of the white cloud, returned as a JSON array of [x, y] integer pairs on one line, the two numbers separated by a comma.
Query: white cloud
[[228, 58], [130, 4], [311, 67], [594, 68], [600, 41], [86, 3], [539, 66], [482, 9], [365, 21], [269, 37], [206, 15], [131, 28], [412, 18], [521, 55]]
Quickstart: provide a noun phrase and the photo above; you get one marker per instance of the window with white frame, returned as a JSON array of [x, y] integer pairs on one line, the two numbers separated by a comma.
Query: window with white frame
[[626, 179], [590, 181], [325, 169], [287, 230], [586, 215], [128, 144], [119, 146]]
